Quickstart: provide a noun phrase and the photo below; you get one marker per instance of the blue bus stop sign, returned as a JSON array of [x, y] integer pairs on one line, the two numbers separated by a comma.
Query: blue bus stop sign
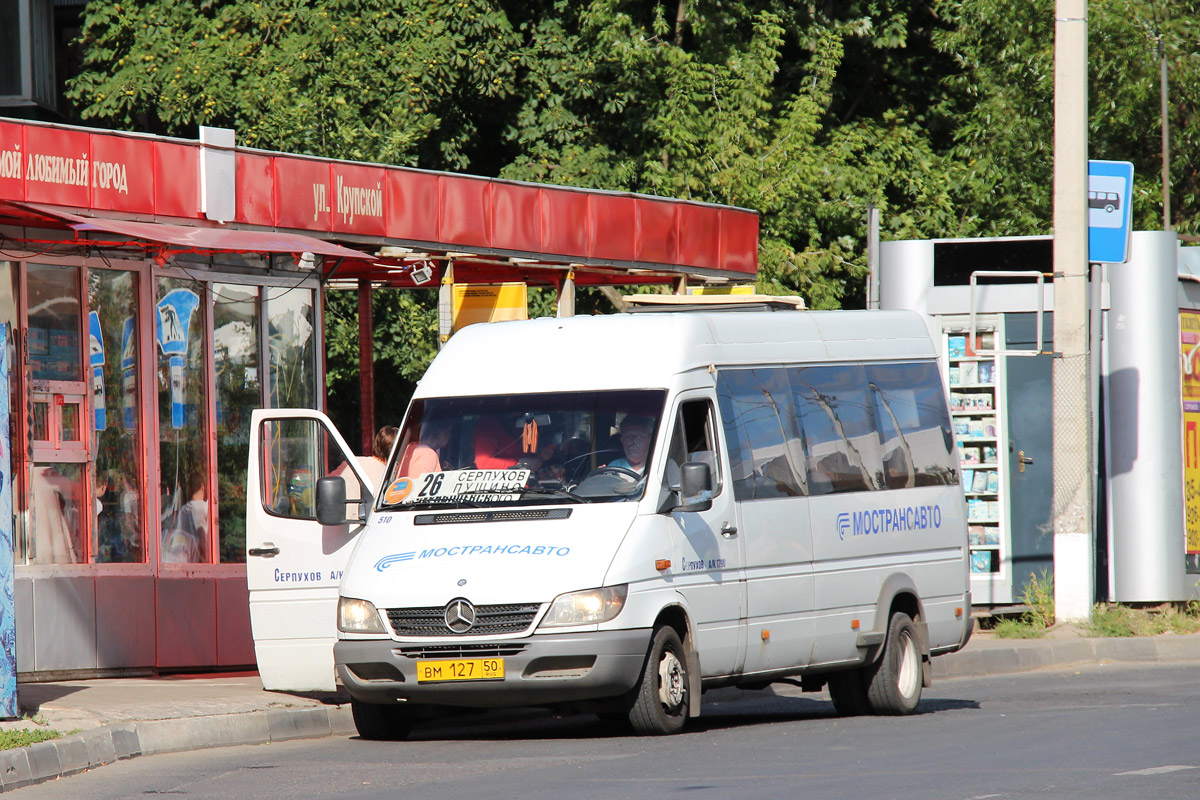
[[1110, 187]]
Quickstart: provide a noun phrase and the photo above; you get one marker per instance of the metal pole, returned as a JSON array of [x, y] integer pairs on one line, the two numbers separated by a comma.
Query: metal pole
[[1074, 551], [446, 305], [1166, 139], [872, 256], [366, 365], [566, 295]]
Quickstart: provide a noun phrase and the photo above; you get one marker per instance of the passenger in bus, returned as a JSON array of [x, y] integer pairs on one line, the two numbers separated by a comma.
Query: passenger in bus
[[373, 465], [422, 456], [497, 449]]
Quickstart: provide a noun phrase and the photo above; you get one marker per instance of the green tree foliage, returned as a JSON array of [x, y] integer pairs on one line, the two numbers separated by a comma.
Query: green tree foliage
[[761, 105], [940, 112], [1004, 99], [397, 82]]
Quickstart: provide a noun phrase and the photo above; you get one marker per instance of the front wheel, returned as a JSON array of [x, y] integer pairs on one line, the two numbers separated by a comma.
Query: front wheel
[[383, 722], [895, 688], [660, 700]]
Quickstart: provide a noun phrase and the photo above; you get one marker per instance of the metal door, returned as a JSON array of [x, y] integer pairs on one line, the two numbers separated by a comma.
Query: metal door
[[1031, 483]]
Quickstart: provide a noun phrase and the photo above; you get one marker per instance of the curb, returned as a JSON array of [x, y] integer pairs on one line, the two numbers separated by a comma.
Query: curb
[[44, 761], [1032, 654]]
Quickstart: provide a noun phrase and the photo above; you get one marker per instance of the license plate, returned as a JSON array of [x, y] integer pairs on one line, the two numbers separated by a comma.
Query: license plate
[[462, 669]]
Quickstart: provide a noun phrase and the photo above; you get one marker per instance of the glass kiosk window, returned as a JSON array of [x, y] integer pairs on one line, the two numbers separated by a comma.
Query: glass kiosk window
[[182, 429], [118, 523], [55, 530]]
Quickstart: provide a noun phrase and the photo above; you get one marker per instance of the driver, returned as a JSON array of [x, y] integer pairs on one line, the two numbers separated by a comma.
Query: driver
[[635, 441]]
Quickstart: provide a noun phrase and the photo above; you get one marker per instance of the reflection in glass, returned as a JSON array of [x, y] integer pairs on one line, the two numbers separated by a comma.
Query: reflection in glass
[[55, 504], [914, 427], [763, 432], [235, 341], [292, 458], [838, 418], [292, 339], [118, 524], [70, 422], [182, 431], [54, 323], [41, 422]]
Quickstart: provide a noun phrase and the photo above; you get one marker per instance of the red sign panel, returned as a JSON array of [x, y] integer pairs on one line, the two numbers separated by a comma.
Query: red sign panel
[[303, 198], [176, 180], [700, 236], [516, 218], [564, 222], [612, 228], [122, 175], [657, 239], [255, 190], [58, 166], [143, 175], [412, 205], [12, 161], [739, 241], [358, 199], [466, 211]]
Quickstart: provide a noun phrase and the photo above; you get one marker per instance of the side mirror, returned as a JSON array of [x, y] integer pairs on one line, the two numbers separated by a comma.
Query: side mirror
[[695, 487], [331, 500]]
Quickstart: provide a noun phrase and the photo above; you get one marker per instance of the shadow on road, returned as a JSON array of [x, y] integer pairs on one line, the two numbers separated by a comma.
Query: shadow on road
[[543, 724]]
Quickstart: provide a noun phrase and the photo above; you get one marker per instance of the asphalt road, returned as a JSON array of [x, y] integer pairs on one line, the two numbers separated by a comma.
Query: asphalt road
[[1095, 732]]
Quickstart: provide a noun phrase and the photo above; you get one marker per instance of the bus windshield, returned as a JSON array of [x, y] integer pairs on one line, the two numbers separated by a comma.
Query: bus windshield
[[528, 449]]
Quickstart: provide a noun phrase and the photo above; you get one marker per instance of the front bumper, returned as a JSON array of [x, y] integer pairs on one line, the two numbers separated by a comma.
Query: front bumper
[[545, 669]]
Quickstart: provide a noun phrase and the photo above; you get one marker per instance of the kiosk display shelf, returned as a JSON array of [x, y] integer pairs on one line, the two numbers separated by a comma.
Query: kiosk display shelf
[[976, 407]]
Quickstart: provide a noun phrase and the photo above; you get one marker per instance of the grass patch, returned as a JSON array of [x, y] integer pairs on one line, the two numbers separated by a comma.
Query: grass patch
[[1017, 629], [1116, 620], [26, 737], [1039, 598]]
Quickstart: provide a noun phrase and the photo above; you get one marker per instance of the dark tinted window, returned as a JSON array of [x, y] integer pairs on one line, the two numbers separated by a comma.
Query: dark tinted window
[[763, 433], [837, 415], [913, 425], [693, 439]]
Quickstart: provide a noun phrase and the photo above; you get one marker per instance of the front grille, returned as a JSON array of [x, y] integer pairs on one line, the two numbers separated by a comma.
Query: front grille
[[489, 620], [462, 517], [462, 651]]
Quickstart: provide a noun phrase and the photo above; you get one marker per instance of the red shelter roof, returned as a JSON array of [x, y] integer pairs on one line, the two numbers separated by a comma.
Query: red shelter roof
[[396, 217]]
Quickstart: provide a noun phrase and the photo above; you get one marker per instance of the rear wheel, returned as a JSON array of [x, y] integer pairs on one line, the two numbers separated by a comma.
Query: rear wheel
[[377, 721], [660, 700], [848, 690], [896, 685]]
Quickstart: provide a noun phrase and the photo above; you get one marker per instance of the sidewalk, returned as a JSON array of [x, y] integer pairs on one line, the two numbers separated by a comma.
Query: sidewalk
[[119, 718]]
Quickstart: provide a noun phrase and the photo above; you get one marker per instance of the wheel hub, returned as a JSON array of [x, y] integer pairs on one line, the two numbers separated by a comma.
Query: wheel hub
[[670, 680]]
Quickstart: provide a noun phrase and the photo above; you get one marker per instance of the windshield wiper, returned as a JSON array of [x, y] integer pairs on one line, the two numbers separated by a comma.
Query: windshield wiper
[[555, 492]]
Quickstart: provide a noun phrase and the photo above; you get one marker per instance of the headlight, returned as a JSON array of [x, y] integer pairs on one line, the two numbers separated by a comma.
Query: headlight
[[586, 608], [358, 616]]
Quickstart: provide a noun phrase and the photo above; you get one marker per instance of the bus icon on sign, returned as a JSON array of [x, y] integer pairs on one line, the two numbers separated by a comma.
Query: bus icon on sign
[[1109, 201]]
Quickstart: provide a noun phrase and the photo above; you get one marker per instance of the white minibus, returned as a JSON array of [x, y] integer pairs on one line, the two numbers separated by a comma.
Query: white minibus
[[617, 513]]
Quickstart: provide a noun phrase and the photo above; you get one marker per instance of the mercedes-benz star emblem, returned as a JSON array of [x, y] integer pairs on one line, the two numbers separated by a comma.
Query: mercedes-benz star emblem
[[460, 615]]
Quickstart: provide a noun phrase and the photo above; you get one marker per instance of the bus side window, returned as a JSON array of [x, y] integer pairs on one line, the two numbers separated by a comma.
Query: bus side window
[[693, 440]]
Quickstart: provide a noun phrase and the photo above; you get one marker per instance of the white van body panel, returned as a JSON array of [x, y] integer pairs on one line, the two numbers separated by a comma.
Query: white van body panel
[[402, 564], [766, 588]]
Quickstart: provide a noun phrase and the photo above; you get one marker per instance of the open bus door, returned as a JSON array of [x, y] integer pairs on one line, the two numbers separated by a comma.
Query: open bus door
[[294, 563]]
